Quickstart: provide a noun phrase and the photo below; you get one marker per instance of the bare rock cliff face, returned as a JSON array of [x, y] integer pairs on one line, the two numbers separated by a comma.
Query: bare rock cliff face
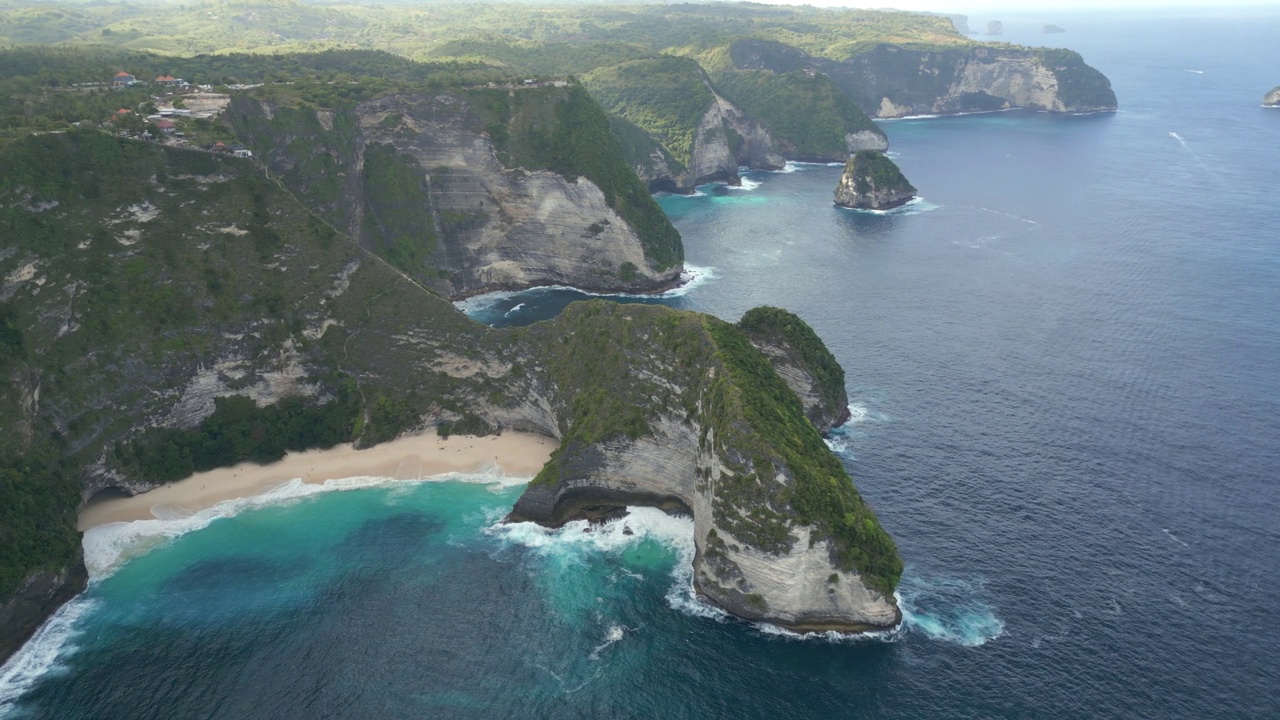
[[463, 222], [1272, 98], [782, 570], [726, 139], [866, 140]]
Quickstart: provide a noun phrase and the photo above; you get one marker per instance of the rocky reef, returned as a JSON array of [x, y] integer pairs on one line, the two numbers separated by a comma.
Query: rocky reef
[[1272, 99], [871, 181]]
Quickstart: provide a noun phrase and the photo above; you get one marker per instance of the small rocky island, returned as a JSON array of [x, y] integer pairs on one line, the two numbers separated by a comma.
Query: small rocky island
[[871, 181], [995, 27], [1052, 29], [1272, 99]]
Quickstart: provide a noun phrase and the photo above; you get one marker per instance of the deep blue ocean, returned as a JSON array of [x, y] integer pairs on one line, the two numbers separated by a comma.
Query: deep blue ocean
[[1064, 366]]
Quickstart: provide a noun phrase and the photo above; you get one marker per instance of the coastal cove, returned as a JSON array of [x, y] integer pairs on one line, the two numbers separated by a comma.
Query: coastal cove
[[1062, 405]]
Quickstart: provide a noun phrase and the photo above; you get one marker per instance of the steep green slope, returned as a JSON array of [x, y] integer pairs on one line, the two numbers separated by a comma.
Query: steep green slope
[[167, 310], [666, 96]]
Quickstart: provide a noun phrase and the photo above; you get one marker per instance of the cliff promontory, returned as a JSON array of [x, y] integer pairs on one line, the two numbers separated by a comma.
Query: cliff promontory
[[165, 311], [1272, 99], [871, 181]]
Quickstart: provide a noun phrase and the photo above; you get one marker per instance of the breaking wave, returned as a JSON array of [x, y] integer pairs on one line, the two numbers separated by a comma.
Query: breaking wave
[[43, 653], [948, 609], [693, 277]]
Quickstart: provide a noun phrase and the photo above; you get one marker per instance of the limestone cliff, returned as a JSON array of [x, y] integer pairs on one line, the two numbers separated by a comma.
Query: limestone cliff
[[694, 134], [889, 81], [1272, 99], [720, 435], [871, 181], [166, 311], [462, 189]]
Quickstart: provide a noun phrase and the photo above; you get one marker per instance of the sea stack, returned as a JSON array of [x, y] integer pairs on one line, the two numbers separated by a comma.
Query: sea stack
[[872, 181], [995, 27], [1272, 98]]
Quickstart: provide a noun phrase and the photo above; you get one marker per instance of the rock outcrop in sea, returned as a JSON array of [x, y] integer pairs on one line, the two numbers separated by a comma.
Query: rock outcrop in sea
[[871, 181], [1272, 99], [1052, 29], [995, 27]]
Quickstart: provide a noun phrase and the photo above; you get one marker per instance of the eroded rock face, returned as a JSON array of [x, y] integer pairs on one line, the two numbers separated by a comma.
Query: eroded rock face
[[755, 558], [872, 181], [727, 139], [466, 223], [866, 140], [1272, 98]]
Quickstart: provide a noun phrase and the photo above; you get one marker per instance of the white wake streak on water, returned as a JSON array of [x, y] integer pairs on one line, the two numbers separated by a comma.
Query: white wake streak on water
[[42, 654], [675, 532], [693, 277]]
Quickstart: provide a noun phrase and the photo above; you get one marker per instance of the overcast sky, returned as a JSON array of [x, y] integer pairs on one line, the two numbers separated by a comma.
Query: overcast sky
[[1029, 6]]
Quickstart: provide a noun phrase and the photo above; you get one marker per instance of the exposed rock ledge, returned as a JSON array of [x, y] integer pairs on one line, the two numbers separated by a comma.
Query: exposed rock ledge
[[1273, 98]]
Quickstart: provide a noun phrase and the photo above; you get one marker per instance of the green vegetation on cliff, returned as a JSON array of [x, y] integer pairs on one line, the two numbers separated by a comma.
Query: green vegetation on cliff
[[782, 328], [565, 131], [1079, 85], [808, 115], [664, 95], [873, 170], [821, 492]]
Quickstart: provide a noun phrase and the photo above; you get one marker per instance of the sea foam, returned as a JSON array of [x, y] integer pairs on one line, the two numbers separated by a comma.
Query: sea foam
[[107, 547], [693, 277], [947, 609], [43, 654]]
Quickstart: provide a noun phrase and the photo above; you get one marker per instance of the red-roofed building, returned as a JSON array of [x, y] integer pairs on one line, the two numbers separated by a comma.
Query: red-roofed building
[[123, 79], [166, 126], [169, 81]]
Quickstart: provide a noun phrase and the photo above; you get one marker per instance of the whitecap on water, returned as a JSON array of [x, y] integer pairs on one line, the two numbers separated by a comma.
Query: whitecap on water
[[640, 523], [840, 439], [914, 206], [108, 547], [42, 655], [948, 609], [692, 277], [745, 184]]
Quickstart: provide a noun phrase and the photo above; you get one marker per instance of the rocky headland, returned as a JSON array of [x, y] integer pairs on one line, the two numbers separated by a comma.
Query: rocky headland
[[871, 181], [214, 319], [1272, 99]]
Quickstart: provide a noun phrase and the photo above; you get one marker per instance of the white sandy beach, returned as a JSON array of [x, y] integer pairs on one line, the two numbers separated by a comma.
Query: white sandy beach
[[408, 458]]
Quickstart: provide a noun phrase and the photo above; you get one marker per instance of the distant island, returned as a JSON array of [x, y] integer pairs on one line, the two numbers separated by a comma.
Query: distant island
[[995, 27], [1052, 29], [1272, 99]]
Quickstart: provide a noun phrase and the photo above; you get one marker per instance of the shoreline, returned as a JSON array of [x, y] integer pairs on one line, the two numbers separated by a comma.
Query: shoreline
[[512, 454]]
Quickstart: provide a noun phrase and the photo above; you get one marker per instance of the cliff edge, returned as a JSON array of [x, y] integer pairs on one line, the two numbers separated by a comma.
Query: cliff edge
[[781, 534], [871, 181]]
